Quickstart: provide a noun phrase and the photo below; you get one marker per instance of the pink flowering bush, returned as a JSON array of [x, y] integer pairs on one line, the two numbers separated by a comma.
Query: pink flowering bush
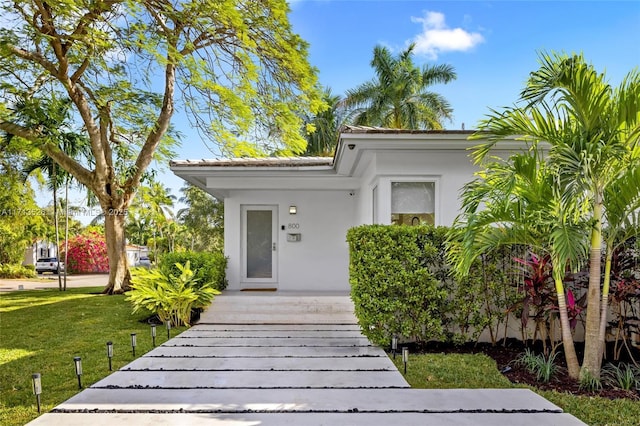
[[87, 254]]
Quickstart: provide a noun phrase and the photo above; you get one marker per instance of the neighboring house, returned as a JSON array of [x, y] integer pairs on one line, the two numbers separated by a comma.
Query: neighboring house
[[135, 253], [286, 219], [38, 250]]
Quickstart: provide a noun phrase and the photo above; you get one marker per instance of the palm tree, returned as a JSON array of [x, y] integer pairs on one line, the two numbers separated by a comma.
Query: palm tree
[[514, 203], [593, 131], [398, 97], [326, 126]]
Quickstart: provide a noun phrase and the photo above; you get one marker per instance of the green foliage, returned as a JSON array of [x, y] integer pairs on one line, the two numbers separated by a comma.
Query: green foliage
[[400, 274], [209, 267], [398, 97], [171, 297], [589, 382], [393, 288], [543, 367], [17, 271], [623, 376], [203, 219]]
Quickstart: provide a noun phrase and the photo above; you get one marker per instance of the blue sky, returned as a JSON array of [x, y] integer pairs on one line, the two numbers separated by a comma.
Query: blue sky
[[492, 45]]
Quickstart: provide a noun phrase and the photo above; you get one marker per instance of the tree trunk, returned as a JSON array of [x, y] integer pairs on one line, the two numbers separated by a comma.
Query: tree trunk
[[604, 303], [66, 230], [56, 225], [573, 366], [592, 359], [117, 250]]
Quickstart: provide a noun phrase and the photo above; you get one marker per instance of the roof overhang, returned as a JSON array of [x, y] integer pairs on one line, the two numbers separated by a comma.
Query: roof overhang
[[220, 176]]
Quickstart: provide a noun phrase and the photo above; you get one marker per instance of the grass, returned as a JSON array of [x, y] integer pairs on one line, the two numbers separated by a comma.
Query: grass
[[42, 330], [477, 371]]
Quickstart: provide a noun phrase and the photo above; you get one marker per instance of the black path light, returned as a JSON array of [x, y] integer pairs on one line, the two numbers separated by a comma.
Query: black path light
[[168, 324], [153, 334], [37, 388], [394, 345], [78, 363], [110, 353], [405, 357], [133, 344]]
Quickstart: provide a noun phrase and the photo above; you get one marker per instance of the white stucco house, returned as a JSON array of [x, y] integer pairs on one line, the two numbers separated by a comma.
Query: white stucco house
[[286, 219]]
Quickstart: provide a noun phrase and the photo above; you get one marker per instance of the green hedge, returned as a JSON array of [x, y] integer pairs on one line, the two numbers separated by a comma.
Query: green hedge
[[208, 266], [401, 285], [17, 271], [394, 283]]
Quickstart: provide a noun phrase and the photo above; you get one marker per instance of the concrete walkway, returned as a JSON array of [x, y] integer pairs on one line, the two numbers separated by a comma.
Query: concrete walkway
[[285, 359]]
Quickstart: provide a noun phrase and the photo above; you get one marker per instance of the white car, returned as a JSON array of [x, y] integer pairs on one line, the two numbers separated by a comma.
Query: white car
[[49, 264]]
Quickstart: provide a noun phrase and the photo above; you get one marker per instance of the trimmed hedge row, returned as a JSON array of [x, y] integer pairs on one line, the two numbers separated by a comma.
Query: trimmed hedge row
[[208, 266], [401, 285]]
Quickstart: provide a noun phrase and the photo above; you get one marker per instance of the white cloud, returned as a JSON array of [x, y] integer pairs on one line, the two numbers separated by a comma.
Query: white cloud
[[437, 38]]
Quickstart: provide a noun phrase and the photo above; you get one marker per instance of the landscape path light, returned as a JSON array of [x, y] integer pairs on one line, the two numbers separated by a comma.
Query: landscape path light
[[133, 344], [78, 364], [394, 345], [37, 388], [168, 324], [153, 334], [405, 357], [110, 353]]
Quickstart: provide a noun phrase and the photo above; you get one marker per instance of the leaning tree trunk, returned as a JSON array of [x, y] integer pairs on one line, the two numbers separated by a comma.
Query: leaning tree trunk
[[592, 355], [573, 366], [114, 231], [604, 303]]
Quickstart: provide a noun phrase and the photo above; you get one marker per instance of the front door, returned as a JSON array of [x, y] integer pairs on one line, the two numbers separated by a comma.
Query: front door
[[259, 238]]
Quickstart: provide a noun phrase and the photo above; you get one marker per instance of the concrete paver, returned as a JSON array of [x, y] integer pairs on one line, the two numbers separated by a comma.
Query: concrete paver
[[285, 359]]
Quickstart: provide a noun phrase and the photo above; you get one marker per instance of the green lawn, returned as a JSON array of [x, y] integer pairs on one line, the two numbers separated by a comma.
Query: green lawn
[[446, 371], [42, 330]]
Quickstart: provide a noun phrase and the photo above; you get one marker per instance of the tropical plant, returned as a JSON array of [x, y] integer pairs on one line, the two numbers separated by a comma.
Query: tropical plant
[[87, 253], [592, 133], [513, 203], [203, 218], [171, 297], [622, 376], [544, 367], [326, 126], [398, 97], [242, 71], [209, 266]]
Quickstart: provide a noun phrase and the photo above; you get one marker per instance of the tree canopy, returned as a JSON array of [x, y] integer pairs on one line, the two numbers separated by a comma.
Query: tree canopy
[[235, 67]]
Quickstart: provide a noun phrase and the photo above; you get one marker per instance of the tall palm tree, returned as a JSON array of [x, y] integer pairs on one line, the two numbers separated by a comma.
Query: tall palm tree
[[326, 125], [398, 97], [593, 131]]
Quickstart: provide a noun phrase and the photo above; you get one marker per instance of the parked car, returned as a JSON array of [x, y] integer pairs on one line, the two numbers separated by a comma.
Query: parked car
[[144, 262], [49, 264]]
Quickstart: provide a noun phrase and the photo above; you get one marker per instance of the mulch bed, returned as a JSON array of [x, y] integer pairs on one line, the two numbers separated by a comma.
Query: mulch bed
[[505, 355]]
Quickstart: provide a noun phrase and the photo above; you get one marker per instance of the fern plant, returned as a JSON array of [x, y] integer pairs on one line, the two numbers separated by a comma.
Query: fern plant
[[171, 297]]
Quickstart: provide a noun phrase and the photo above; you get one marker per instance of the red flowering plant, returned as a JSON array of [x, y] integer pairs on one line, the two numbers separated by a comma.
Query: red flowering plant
[[87, 254]]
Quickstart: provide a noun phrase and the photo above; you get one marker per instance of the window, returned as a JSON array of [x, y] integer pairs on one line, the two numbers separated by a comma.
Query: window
[[413, 203]]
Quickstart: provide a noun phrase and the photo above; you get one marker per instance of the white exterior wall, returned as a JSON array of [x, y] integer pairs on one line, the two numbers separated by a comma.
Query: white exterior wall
[[320, 261]]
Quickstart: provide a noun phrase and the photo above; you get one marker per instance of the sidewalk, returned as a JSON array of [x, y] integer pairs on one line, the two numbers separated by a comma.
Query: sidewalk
[[285, 359], [51, 281]]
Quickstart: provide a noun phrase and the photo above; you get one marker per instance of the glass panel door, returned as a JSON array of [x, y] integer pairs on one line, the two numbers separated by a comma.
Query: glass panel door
[[259, 241]]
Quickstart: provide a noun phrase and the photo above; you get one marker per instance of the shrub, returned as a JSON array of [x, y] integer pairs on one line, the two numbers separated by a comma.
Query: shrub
[[87, 254], [392, 287], [17, 271], [209, 267], [171, 297]]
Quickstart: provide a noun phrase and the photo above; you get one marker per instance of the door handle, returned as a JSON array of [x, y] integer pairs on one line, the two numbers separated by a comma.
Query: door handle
[[273, 247]]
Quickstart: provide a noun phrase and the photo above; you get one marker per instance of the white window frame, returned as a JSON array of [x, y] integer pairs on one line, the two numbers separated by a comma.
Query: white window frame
[[384, 195]]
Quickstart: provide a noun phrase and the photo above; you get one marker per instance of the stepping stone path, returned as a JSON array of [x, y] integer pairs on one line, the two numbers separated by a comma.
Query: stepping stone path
[[285, 359]]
